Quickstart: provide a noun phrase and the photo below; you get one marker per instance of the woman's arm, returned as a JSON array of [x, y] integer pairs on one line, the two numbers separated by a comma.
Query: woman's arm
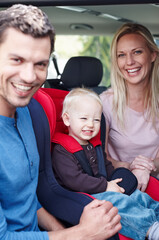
[[142, 162], [156, 163], [142, 168]]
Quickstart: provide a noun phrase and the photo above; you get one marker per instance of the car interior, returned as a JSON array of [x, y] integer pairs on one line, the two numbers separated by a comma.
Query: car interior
[[82, 18], [100, 20], [90, 18]]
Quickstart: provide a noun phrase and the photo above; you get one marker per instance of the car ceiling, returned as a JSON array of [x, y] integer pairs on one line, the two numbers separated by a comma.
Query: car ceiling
[[100, 17], [103, 19]]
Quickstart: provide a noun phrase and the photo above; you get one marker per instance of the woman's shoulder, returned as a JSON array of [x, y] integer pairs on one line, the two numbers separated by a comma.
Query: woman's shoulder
[[107, 95]]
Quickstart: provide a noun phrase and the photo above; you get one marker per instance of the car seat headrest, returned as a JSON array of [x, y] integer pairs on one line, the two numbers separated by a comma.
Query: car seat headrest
[[57, 97], [82, 72]]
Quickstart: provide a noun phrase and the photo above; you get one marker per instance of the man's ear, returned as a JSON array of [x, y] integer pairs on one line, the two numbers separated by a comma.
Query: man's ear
[[66, 119]]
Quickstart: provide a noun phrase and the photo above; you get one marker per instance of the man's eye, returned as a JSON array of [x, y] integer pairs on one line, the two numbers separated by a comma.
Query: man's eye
[[42, 65], [16, 60]]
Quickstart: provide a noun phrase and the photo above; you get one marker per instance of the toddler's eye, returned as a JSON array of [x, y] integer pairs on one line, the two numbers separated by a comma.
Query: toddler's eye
[[83, 118], [97, 120]]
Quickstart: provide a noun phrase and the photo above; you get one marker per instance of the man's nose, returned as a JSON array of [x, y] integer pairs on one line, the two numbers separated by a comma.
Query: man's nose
[[27, 73]]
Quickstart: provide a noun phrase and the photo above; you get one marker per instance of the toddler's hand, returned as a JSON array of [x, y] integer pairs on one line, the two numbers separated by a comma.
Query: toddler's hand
[[114, 187]]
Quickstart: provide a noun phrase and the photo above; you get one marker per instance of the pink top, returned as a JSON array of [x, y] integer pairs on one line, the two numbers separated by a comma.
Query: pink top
[[138, 138]]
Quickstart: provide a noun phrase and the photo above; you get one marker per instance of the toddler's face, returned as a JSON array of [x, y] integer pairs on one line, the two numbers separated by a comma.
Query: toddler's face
[[84, 119]]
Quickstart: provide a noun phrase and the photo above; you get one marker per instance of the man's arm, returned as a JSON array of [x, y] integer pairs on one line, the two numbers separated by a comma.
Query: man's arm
[[99, 221], [47, 221], [5, 234]]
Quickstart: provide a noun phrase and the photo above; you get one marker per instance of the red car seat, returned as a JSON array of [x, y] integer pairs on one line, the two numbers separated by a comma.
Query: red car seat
[[63, 204]]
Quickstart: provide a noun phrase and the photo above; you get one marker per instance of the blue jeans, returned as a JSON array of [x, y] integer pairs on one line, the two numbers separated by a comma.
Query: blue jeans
[[138, 212]]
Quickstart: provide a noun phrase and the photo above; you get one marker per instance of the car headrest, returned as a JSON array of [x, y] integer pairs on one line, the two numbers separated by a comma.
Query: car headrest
[[57, 97], [82, 72]]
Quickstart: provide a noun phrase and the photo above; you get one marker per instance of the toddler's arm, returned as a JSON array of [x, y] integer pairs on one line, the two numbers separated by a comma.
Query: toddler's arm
[[114, 187]]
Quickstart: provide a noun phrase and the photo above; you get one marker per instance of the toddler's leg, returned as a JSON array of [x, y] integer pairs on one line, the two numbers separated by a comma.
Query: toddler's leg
[[135, 219], [146, 201]]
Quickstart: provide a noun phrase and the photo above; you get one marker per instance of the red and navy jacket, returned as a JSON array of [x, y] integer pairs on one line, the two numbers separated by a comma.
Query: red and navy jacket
[[129, 181], [72, 146]]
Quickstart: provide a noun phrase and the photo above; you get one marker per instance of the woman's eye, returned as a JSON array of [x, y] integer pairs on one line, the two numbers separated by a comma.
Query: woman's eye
[[121, 55], [138, 52]]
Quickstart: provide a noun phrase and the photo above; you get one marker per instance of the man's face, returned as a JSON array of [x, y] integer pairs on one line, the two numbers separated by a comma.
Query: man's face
[[23, 69]]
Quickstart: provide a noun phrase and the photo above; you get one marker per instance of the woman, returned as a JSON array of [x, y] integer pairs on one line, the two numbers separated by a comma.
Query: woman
[[131, 105]]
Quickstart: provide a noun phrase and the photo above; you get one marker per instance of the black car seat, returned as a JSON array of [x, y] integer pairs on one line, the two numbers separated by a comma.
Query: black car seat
[[80, 71], [83, 72]]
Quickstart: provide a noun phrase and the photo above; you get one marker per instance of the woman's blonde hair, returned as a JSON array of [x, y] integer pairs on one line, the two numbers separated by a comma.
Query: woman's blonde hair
[[75, 96], [118, 83]]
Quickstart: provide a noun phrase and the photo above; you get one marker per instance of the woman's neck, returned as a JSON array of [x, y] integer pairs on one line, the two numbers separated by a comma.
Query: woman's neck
[[136, 97]]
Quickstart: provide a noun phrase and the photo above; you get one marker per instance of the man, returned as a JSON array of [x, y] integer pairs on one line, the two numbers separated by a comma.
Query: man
[[26, 42]]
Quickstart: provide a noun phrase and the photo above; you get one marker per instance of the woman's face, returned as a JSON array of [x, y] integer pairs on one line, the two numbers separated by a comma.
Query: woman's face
[[134, 58]]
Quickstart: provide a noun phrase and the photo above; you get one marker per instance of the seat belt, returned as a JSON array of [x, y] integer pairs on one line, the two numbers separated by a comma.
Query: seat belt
[[54, 59], [81, 157]]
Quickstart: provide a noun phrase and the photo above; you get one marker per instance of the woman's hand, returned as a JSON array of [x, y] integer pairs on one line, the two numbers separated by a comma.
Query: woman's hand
[[114, 187], [142, 167], [142, 162], [142, 176]]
